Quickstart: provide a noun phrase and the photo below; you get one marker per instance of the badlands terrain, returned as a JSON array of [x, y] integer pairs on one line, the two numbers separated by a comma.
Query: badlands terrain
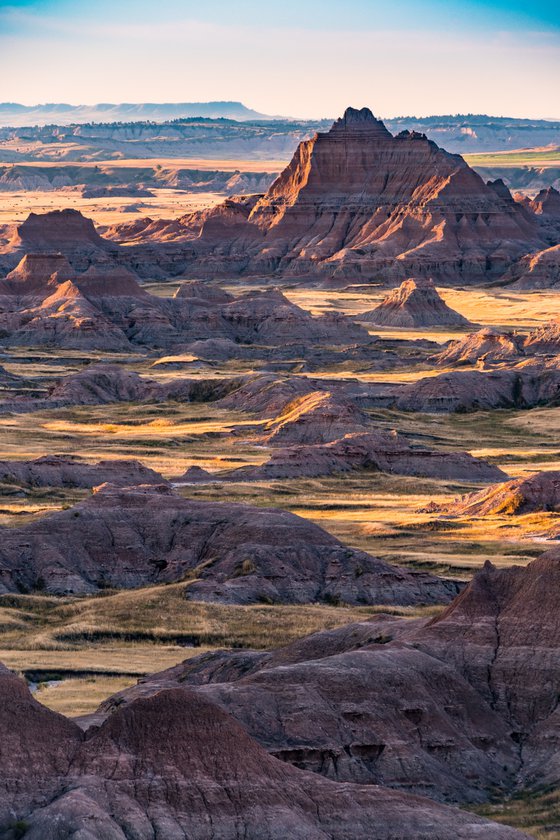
[[280, 496]]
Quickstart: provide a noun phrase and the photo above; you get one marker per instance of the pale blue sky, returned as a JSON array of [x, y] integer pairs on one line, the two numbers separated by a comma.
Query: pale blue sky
[[297, 57]]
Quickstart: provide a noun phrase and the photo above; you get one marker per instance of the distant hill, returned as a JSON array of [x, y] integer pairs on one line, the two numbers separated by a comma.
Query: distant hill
[[470, 133], [231, 131], [14, 114]]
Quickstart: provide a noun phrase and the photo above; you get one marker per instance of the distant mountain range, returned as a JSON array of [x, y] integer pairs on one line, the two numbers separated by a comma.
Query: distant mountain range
[[225, 130], [60, 113]]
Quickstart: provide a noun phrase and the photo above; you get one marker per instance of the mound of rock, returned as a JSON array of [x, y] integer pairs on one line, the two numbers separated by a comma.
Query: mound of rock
[[487, 346], [547, 203], [67, 319], [416, 303], [207, 292], [525, 385], [178, 765], [269, 317], [131, 537], [65, 471], [461, 706], [544, 340], [375, 451], [36, 275], [540, 270], [317, 417], [539, 492], [60, 231], [45, 302]]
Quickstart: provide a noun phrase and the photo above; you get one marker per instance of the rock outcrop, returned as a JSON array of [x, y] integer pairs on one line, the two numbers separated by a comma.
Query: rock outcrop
[[416, 303], [59, 231], [316, 417], [374, 451], [44, 301], [487, 346], [547, 203], [357, 202], [65, 471], [539, 492], [525, 385], [544, 340], [131, 537], [176, 764], [540, 270], [459, 706]]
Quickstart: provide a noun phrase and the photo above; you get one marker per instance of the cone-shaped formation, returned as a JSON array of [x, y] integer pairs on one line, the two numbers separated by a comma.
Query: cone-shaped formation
[[547, 203], [416, 303], [35, 273]]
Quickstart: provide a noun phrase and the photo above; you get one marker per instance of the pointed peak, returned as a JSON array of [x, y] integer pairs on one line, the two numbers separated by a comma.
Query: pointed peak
[[362, 120]]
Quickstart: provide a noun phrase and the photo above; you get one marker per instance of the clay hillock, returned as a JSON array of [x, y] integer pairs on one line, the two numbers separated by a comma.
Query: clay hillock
[[36, 275], [132, 537], [267, 395], [544, 340], [100, 282], [539, 270], [547, 203], [316, 417], [65, 471], [502, 634], [524, 385], [207, 292], [269, 317], [376, 451], [100, 384], [104, 384], [301, 357], [487, 346], [539, 492], [178, 763], [416, 303], [59, 231], [67, 319]]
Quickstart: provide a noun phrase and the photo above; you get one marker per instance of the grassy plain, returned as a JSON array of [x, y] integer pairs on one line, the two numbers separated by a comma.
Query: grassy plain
[[100, 644]]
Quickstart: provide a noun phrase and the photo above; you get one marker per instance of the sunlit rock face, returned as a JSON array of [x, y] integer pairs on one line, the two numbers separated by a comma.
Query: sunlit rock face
[[357, 201]]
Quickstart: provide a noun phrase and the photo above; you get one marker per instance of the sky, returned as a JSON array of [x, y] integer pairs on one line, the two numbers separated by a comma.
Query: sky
[[301, 58]]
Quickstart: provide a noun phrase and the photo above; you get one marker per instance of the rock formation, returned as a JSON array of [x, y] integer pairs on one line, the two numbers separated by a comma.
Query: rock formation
[[44, 301], [539, 492], [175, 764], [136, 536], [525, 385], [358, 451], [59, 231], [357, 202], [544, 340], [540, 270], [416, 303], [459, 706], [546, 202], [487, 346], [316, 417], [65, 471], [36, 275]]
